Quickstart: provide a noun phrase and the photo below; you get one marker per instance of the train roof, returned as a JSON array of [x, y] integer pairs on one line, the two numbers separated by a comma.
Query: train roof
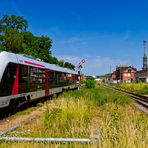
[[31, 61]]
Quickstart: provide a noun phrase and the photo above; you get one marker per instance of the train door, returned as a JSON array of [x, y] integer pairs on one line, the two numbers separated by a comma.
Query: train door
[[47, 82]]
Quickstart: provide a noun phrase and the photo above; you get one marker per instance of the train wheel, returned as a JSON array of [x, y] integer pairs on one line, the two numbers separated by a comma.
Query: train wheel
[[12, 107], [50, 97]]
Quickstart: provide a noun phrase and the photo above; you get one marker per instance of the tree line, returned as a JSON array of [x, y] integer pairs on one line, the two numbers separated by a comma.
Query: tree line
[[15, 37]]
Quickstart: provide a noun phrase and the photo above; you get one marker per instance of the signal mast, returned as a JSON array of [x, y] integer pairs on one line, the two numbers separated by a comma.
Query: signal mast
[[79, 67]]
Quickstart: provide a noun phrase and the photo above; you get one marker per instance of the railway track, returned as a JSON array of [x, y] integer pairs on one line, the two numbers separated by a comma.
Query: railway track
[[140, 99]]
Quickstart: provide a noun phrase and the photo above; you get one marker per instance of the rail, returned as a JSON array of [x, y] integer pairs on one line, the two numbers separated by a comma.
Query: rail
[[141, 99]]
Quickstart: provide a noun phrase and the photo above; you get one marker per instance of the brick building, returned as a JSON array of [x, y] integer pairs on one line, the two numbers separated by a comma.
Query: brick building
[[113, 76], [125, 74]]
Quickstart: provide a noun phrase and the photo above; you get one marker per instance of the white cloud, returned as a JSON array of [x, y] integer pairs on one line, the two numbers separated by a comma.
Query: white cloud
[[94, 65], [112, 46], [72, 59]]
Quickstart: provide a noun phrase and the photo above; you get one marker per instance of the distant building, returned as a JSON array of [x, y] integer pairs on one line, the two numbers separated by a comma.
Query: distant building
[[142, 76], [83, 77], [113, 77], [125, 74], [104, 78]]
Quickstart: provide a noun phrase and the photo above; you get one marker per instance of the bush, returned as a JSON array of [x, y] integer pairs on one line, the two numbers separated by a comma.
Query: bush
[[90, 82]]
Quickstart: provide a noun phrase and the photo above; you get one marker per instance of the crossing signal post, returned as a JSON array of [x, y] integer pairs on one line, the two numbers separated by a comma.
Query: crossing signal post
[[79, 67]]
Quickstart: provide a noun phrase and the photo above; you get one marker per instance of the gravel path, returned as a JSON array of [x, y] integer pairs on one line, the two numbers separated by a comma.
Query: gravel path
[[22, 119]]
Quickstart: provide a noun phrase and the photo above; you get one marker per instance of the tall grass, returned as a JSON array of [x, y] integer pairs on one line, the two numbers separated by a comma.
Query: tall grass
[[99, 96], [80, 114], [141, 88], [123, 127], [71, 119]]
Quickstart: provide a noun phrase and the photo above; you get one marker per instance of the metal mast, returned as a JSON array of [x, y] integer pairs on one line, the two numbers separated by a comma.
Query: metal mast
[[144, 57]]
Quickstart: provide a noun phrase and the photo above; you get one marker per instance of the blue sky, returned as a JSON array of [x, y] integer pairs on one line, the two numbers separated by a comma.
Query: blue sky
[[105, 33]]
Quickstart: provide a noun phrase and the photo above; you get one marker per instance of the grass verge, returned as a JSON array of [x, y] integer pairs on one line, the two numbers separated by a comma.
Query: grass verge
[[84, 113], [140, 88]]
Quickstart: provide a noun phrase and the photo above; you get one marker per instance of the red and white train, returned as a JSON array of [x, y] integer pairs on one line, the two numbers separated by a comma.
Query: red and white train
[[24, 78]]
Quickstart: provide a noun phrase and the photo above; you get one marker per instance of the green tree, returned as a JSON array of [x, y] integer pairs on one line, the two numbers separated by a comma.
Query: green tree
[[53, 60], [15, 38], [61, 63], [41, 47], [69, 65], [14, 22], [28, 39], [37, 46], [90, 82], [11, 40], [10, 37]]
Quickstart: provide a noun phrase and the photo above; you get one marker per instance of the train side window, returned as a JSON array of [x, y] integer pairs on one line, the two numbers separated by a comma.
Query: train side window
[[23, 79], [10, 73], [8, 78], [51, 75], [41, 76], [23, 76], [41, 79], [33, 74], [52, 79]]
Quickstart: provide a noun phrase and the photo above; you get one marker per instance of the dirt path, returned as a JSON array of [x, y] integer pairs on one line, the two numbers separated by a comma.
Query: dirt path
[[22, 119]]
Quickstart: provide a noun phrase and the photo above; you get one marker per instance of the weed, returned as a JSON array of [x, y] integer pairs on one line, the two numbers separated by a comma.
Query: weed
[[79, 114], [141, 88]]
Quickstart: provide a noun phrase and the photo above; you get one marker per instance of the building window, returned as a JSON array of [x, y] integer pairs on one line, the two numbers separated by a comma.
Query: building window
[[129, 71], [129, 74]]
